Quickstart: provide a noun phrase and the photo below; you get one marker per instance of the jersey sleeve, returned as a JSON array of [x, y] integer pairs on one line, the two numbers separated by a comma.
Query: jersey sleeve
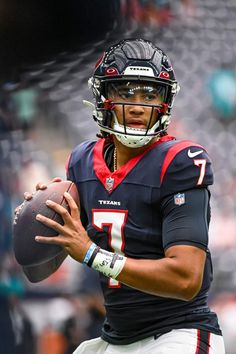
[[75, 159], [186, 223], [69, 171], [185, 167]]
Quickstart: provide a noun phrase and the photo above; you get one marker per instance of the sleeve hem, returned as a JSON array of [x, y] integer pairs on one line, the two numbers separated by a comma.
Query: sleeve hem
[[186, 243]]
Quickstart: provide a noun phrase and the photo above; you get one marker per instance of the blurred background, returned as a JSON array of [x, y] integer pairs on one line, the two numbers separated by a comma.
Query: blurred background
[[48, 52]]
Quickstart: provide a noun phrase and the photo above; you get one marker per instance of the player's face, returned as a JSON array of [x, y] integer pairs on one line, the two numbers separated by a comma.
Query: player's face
[[136, 114]]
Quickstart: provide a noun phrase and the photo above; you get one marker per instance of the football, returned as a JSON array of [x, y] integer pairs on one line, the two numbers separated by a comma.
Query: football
[[40, 260]]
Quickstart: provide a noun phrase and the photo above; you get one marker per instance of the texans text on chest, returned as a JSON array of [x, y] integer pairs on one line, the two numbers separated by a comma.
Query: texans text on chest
[[108, 202]]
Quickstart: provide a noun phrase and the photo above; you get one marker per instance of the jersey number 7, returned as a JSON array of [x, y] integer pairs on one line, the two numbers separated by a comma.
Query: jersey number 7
[[202, 164], [115, 220]]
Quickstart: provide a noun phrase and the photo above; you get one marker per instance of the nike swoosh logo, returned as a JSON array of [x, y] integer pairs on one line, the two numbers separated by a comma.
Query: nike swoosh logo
[[194, 154]]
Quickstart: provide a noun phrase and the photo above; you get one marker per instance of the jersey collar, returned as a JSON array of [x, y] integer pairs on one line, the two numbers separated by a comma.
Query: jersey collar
[[111, 180]]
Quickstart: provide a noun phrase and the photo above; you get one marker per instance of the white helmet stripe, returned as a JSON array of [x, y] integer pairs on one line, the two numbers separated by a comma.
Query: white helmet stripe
[[139, 70]]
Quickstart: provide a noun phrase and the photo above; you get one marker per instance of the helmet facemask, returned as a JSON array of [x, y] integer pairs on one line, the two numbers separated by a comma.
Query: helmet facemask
[[133, 65], [121, 93]]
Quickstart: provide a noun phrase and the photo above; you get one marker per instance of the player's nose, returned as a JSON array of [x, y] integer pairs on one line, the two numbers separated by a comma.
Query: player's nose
[[136, 107]]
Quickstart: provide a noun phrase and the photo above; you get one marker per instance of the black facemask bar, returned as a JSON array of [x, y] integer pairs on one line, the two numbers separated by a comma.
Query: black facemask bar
[[107, 111]]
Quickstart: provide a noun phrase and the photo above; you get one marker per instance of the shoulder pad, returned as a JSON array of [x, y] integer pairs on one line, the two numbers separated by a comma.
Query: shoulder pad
[[79, 151], [185, 166], [77, 154]]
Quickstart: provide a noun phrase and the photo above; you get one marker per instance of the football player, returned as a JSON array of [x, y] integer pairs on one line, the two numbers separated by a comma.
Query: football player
[[144, 214]]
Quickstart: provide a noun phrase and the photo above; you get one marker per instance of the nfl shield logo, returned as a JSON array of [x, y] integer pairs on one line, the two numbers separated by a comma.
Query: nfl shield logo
[[109, 183], [179, 199]]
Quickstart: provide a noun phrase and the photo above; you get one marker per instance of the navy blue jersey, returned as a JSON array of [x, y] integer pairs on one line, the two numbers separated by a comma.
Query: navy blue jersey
[[126, 211]]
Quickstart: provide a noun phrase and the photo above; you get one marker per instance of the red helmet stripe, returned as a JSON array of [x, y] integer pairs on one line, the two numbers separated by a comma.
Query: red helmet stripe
[[99, 61]]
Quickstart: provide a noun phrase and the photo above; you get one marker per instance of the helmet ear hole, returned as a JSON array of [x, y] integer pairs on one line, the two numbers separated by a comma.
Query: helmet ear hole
[[108, 116]]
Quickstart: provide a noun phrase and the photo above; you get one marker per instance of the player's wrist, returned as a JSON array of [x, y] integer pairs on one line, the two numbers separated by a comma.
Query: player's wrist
[[89, 252], [108, 263]]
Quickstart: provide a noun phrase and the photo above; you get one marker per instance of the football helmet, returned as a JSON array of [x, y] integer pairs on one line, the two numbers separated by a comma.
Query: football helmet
[[134, 64]]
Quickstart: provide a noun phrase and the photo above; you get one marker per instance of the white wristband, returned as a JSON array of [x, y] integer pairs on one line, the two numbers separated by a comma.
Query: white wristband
[[108, 263]]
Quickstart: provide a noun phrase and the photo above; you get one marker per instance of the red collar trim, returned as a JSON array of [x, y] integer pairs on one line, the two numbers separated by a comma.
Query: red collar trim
[[111, 180]]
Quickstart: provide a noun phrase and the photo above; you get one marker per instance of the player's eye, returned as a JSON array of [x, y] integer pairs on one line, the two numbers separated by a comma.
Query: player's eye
[[150, 97], [126, 94], [153, 98]]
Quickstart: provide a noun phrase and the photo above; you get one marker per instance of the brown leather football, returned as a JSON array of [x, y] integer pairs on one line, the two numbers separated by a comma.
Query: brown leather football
[[40, 260]]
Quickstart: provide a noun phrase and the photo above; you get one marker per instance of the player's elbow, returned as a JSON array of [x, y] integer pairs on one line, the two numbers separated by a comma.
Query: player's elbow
[[190, 288]]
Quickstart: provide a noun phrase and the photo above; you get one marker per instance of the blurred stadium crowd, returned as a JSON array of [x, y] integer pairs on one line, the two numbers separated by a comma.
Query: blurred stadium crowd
[[42, 117]]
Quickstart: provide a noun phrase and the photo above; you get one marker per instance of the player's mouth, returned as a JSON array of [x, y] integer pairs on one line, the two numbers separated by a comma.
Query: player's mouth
[[136, 123]]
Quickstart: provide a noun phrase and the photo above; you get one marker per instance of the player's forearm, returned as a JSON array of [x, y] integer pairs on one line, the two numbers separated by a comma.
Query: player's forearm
[[163, 277], [177, 275]]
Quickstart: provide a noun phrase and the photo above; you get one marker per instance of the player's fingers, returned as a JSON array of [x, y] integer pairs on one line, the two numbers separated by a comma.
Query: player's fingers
[[28, 196], [54, 240], [40, 186], [18, 208], [56, 179], [59, 209], [50, 223], [66, 216], [74, 208]]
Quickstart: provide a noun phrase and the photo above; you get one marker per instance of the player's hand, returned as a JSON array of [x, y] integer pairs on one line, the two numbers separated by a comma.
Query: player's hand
[[40, 186], [29, 196], [71, 236]]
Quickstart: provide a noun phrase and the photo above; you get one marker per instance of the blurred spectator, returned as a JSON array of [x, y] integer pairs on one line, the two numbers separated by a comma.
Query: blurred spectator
[[90, 292], [30, 173], [5, 220], [25, 100], [156, 13], [51, 341], [222, 89], [16, 330], [23, 330], [89, 311], [184, 11], [7, 342], [8, 121], [131, 10], [74, 328]]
